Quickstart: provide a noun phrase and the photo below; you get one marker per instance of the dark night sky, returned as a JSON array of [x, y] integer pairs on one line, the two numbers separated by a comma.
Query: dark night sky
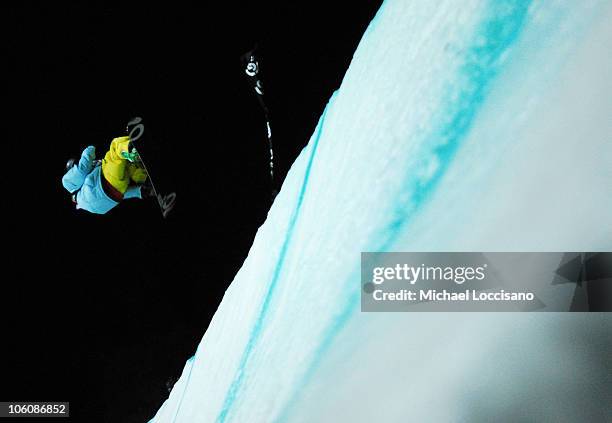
[[102, 310]]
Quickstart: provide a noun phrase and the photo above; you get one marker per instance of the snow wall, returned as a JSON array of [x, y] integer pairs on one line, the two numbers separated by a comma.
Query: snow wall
[[460, 125]]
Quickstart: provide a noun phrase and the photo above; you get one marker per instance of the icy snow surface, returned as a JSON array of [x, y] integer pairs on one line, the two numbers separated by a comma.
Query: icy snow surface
[[460, 125]]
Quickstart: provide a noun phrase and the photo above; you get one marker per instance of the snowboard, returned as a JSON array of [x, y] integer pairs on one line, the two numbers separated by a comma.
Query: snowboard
[[150, 158]]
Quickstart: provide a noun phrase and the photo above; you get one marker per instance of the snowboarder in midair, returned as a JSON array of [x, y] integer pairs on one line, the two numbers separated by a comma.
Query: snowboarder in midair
[[99, 185]]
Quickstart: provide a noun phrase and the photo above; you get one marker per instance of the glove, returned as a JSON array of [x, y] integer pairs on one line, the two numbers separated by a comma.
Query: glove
[[86, 163]]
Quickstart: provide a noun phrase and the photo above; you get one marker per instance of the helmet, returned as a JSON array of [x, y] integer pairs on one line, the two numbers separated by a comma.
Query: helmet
[[70, 163]]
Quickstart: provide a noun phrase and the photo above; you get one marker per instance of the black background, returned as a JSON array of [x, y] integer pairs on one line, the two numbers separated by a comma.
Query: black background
[[102, 310]]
